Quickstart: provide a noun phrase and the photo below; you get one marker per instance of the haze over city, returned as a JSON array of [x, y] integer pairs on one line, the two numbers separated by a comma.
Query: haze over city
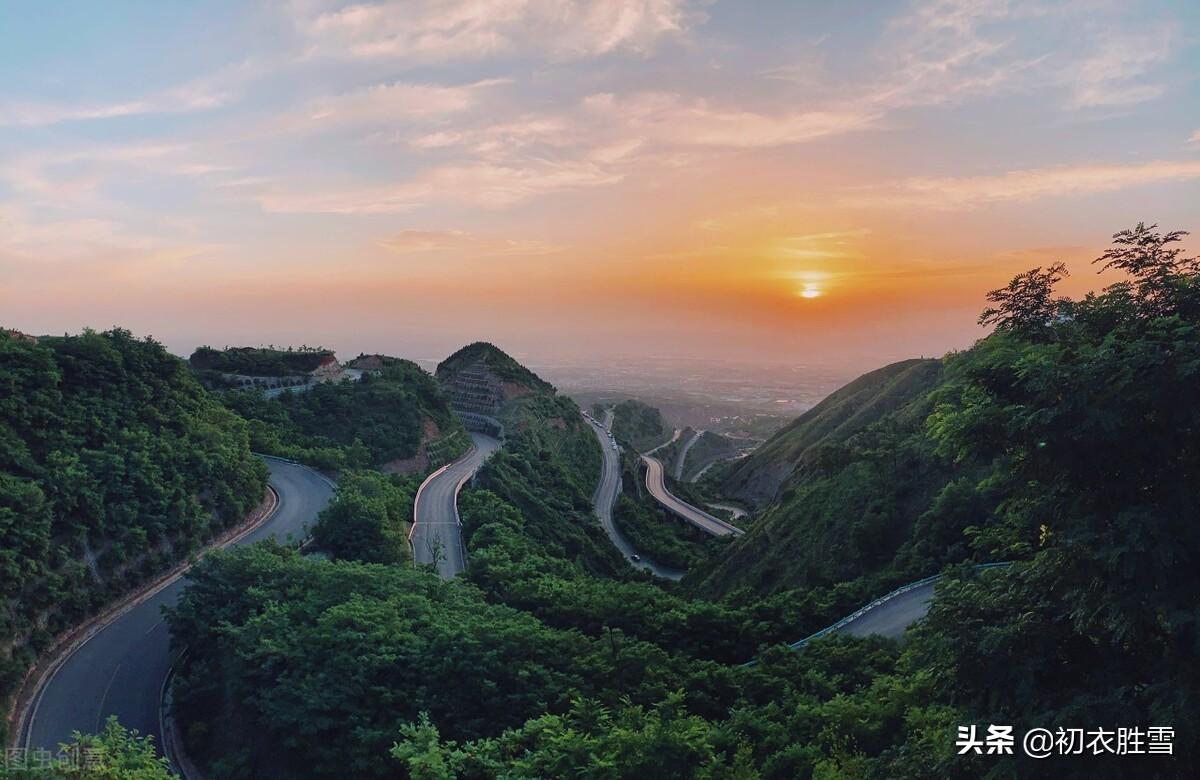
[[750, 181]]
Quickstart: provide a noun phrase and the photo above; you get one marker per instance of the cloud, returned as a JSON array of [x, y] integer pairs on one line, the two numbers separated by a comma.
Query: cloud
[[1195, 139], [1021, 185], [672, 120], [198, 95], [387, 103], [61, 177], [440, 30], [415, 241], [42, 246], [483, 184], [1113, 75]]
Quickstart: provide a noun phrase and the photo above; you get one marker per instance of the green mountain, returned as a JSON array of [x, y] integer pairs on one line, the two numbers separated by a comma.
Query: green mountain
[[639, 425], [758, 478], [114, 465], [482, 355], [841, 492]]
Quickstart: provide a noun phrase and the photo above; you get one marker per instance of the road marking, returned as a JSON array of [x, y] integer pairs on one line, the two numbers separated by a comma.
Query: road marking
[[104, 698]]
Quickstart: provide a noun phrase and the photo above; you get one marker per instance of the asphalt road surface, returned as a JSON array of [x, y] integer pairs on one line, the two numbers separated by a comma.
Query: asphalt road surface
[[436, 531], [606, 497], [699, 518], [892, 616], [121, 669]]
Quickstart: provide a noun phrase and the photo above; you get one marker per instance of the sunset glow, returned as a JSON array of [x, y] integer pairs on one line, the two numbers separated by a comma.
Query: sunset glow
[[643, 176]]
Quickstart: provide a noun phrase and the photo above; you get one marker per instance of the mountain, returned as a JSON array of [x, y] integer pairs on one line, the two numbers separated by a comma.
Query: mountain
[[840, 493], [758, 478], [482, 375], [639, 425]]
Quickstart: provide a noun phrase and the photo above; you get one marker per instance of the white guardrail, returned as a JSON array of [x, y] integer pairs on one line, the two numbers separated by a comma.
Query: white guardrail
[[855, 615]]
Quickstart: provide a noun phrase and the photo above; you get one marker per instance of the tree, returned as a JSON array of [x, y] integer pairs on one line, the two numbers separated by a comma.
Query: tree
[[116, 753], [1159, 270], [1027, 306]]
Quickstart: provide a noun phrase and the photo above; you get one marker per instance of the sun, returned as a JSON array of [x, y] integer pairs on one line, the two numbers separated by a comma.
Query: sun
[[810, 291]]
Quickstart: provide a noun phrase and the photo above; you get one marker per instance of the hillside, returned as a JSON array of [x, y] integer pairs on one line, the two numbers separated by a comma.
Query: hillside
[[515, 379], [757, 479], [398, 418], [639, 425], [114, 465], [548, 468], [710, 448], [850, 481]]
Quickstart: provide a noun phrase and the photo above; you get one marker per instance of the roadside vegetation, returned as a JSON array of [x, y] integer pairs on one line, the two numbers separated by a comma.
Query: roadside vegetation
[[369, 518], [114, 465]]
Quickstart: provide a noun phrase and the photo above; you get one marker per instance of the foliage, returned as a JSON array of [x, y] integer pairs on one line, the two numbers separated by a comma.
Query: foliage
[[353, 424], [114, 465], [639, 426], [298, 655], [259, 361], [656, 534], [114, 754], [896, 390], [589, 740], [1027, 305], [368, 519]]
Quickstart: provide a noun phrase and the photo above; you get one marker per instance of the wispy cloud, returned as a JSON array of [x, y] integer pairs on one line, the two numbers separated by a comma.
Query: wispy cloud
[[61, 177], [482, 184], [1115, 73], [198, 95], [393, 103], [673, 120], [437, 30], [1021, 185], [416, 241]]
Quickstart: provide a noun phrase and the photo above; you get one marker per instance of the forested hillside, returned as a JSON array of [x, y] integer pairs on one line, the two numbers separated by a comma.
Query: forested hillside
[[114, 465], [638, 425], [398, 414], [863, 501], [758, 478]]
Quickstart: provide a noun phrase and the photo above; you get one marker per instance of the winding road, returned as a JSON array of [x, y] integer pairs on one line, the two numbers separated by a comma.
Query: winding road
[[606, 497], [120, 670], [657, 486], [891, 617], [437, 531]]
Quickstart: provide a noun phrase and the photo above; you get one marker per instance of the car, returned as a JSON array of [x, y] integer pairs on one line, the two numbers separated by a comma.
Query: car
[[636, 558]]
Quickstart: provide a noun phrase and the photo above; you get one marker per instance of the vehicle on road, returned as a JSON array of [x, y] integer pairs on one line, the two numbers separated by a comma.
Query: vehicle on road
[[636, 558]]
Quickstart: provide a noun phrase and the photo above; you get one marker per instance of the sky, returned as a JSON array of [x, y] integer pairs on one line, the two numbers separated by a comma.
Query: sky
[[761, 181]]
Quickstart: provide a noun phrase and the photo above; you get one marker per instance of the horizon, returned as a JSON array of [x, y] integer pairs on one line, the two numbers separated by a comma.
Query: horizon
[[626, 180]]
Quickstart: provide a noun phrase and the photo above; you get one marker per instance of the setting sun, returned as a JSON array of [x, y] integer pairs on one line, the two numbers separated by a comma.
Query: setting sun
[[810, 291]]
